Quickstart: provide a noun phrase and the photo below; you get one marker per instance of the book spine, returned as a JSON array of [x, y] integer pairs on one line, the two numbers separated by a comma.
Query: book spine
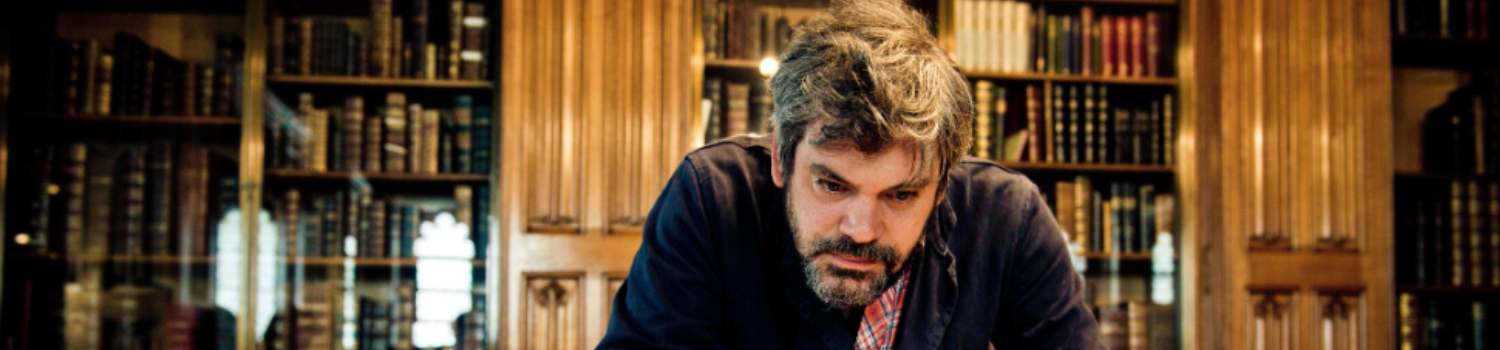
[[456, 44], [1074, 127], [417, 28], [381, 43], [351, 126], [373, 142], [1494, 233], [474, 44], [982, 103], [483, 142], [1086, 53], [1082, 210], [445, 143], [997, 128], [159, 198], [1089, 119], [1476, 234], [1153, 43], [1107, 44], [1456, 253], [1123, 47], [431, 133], [394, 225], [414, 134], [1169, 128], [1105, 128], [395, 133], [1057, 126], [1034, 129], [463, 117]]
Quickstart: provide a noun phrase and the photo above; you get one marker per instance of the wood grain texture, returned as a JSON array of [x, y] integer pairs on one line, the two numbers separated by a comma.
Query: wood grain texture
[[1298, 132], [595, 94]]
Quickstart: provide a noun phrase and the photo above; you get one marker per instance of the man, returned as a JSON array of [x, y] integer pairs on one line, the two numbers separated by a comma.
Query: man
[[859, 225]]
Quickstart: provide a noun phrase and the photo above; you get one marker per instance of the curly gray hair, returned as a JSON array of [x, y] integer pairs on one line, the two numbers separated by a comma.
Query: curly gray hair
[[869, 71]]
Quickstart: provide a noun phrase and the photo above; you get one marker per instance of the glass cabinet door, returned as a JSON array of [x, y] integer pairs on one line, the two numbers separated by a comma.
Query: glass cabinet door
[[123, 225]]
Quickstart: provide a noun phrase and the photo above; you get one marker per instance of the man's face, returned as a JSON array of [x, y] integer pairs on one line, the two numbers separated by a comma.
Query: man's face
[[856, 217]]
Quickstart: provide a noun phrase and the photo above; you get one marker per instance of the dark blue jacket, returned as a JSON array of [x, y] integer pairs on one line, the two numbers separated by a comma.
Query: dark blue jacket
[[717, 267]]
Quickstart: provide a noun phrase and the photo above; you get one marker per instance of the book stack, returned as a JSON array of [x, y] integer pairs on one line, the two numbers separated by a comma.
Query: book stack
[[1017, 37], [423, 39], [1445, 323], [316, 224], [402, 137], [1077, 123], [741, 29], [1134, 325], [1112, 217], [1449, 234], [1462, 19], [736, 108], [133, 78]]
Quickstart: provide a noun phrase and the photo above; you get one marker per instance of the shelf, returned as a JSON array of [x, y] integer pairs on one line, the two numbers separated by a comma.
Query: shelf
[[55, 128], [1139, 169], [1425, 177], [1150, 3], [1479, 291], [149, 6], [372, 82], [344, 176], [1122, 256], [1070, 78], [1438, 52], [364, 261], [734, 67], [150, 259]]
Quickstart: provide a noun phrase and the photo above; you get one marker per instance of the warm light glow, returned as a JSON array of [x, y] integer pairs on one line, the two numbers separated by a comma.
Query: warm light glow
[[474, 22], [23, 238], [768, 66]]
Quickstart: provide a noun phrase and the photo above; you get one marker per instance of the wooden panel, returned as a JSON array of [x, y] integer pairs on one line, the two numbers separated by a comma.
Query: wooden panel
[[595, 93], [1293, 181], [1339, 325], [553, 311], [1271, 325]]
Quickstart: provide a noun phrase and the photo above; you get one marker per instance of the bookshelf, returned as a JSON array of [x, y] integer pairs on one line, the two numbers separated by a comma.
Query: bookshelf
[[1081, 96], [1447, 228], [126, 170], [157, 120]]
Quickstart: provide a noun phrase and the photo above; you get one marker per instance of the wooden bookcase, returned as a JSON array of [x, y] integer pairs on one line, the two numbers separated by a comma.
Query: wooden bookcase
[[237, 177], [1446, 228]]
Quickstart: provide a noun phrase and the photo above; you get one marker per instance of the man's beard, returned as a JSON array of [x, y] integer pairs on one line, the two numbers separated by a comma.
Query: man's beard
[[839, 287]]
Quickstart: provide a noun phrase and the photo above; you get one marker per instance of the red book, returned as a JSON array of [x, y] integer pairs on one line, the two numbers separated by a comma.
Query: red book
[[1137, 46], [1122, 46], [1107, 42], [1087, 19], [1153, 43]]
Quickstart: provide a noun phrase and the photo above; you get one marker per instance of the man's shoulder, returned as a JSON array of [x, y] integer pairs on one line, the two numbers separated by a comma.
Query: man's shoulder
[[979, 181], [746, 157]]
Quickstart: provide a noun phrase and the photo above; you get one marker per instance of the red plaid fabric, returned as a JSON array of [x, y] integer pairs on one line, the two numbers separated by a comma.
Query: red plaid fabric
[[877, 331]]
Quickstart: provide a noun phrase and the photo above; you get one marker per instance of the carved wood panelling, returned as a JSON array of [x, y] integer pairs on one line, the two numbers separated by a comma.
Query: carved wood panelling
[[1272, 323], [1294, 97], [553, 312], [1339, 322], [548, 106]]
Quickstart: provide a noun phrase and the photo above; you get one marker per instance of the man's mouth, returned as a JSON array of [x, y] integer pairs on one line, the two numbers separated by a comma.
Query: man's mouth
[[853, 262]]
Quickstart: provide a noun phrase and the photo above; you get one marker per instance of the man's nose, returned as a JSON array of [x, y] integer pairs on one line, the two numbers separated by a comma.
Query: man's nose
[[859, 221]]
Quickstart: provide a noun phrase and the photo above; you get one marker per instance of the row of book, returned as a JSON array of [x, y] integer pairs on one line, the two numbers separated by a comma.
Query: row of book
[[1112, 217], [318, 224], [157, 198], [735, 107], [132, 78], [385, 320], [1136, 325], [1445, 323], [1466, 19], [1459, 136], [399, 137], [1074, 123], [1016, 36], [423, 39], [1448, 233], [741, 29]]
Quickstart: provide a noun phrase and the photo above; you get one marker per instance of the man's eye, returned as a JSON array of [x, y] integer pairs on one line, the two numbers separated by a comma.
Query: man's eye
[[904, 196], [830, 186]]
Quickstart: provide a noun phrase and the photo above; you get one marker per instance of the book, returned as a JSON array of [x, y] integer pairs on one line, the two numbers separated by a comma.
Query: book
[[1457, 229], [463, 143], [351, 125], [1033, 126], [1074, 121], [1090, 118], [737, 98], [395, 147], [483, 140], [414, 133], [474, 43], [1063, 203], [983, 100], [1055, 125]]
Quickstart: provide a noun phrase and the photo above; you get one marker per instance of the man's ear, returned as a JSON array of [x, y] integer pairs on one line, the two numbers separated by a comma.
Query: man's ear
[[776, 164]]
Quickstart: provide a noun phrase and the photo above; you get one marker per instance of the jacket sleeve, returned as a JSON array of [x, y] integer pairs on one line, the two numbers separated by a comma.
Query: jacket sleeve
[[1042, 303], [671, 298]]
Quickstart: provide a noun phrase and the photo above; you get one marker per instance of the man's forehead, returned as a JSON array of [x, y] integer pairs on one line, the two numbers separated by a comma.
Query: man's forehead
[[826, 162]]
